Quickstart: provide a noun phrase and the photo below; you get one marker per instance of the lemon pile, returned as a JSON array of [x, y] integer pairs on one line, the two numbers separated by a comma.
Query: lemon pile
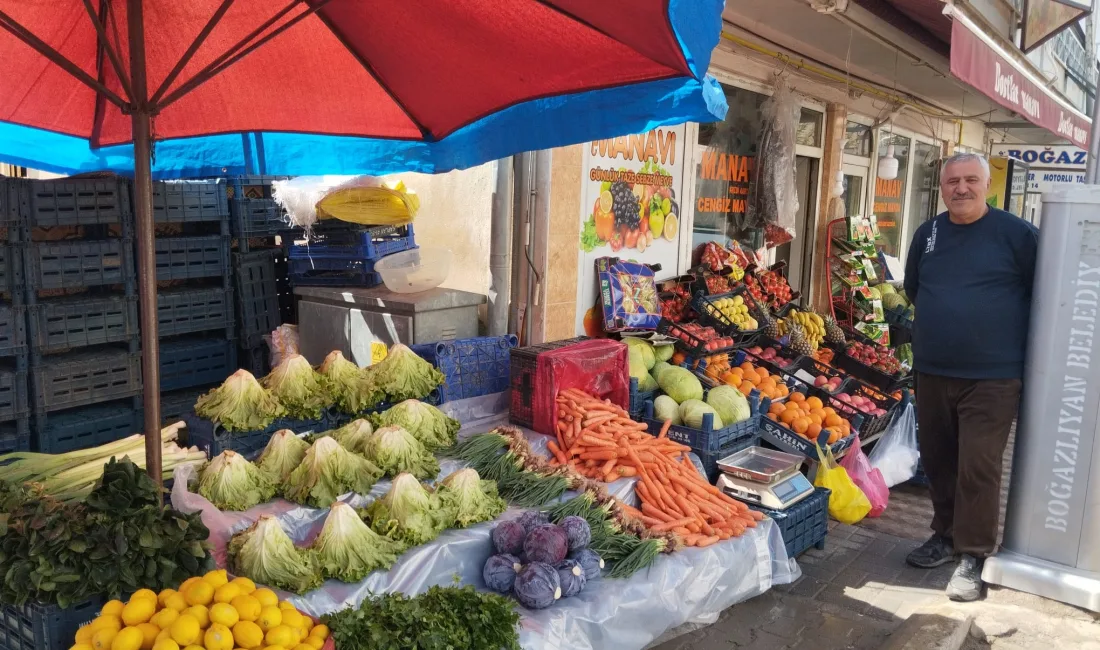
[[736, 311], [207, 613]]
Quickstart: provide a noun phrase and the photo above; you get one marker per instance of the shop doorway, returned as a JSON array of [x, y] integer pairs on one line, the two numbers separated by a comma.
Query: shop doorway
[[798, 254], [855, 189]]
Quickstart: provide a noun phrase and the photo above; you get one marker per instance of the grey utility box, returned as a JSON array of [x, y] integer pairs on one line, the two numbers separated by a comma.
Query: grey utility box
[[362, 322]]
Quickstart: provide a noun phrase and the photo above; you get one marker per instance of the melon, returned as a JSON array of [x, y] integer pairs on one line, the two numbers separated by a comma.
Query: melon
[[893, 301], [885, 289]]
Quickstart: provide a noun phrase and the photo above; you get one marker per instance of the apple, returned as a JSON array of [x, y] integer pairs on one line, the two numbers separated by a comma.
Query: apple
[[844, 397], [820, 381]]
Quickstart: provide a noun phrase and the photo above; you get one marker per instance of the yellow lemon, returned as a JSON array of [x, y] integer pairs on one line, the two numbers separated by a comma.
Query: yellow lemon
[[248, 635], [270, 617], [106, 621], [84, 635], [201, 614], [128, 638], [188, 583], [218, 637], [138, 610], [320, 630], [200, 593], [176, 601], [112, 608], [293, 618], [216, 578], [102, 639], [144, 593], [80, 646], [224, 614], [186, 630], [193, 647], [270, 647], [164, 634], [226, 593], [149, 633], [281, 635], [302, 646], [266, 597], [246, 585], [248, 608], [285, 604], [164, 618], [166, 644], [163, 596], [314, 641]]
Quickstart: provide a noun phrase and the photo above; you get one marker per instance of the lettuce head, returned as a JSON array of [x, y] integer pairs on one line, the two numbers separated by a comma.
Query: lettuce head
[[263, 553], [351, 388], [328, 471], [395, 450], [240, 404], [352, 435], [230, 482], [347, 549], [303, 391], [284, 452], [471, 499], [405, 375], [409, 512], [428, 424]]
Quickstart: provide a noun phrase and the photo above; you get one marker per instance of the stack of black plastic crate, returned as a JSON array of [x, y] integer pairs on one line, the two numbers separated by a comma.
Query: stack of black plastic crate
[[195, 305], [81, 311], [263, 295], [14, 405]]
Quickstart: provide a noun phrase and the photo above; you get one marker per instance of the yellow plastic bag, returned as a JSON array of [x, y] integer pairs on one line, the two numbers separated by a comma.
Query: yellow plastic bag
[[370, 206], [847, 503]]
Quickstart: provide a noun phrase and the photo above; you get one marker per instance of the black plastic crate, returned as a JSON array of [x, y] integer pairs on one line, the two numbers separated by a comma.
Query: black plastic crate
[[13, 201], [195, 361], [867, 374], [354, 243], [213, 439], [79, 264], [251, 186], [44, 627], [690, 343], [86, 377], [351, 273], [63, 324], [174, 405], [90, 426], [13, 330], [15, 436], [256, 218], [14, 403], [258, 311], [709, 315], [185, 258], [78, 201], [783, 438], [256, 359], [11, 269], [522, 366], [473, 367], [188, 310], [190, 201], [803, 525]]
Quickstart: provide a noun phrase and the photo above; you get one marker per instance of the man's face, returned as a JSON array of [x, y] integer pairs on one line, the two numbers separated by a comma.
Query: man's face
[[963, 186]]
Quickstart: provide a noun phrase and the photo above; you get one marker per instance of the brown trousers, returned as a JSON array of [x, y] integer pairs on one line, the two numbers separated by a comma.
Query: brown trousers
[[963, 426]]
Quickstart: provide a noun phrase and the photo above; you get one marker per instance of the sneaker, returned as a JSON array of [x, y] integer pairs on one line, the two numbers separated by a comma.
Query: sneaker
[[966, 583], [933, 553]]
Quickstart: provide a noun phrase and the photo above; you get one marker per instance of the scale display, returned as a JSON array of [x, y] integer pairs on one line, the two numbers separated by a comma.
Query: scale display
[[775, 496]]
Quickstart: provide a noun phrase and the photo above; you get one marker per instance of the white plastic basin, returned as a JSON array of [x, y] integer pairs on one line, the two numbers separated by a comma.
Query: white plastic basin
[[414, 270]]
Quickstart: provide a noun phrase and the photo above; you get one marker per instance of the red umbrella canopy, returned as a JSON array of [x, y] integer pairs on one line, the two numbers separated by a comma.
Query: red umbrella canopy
[[394, 69]]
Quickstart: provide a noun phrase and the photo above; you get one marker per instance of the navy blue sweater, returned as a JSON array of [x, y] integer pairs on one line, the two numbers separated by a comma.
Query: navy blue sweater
[[971, 285]]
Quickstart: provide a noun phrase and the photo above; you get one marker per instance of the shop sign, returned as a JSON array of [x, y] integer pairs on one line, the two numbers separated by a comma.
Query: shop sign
[[976, 63], [1050, 156], [630, 208], [733, 172], [1042, 180], [1044, 19]]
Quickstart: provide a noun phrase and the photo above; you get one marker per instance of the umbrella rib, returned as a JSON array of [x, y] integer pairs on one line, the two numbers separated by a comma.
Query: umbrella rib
[[191, 50], [10, 25], [105, 44]]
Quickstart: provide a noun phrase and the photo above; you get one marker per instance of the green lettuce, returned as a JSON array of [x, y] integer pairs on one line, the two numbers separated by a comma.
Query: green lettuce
[[328, 471], [347, 549], [284, 452], [303, 391], [263, 553], [471, 499], [395, 450], [409, 512], [240, 404], [230, 482], [352, 435], [428, 424], [352, 389], [405, 375]]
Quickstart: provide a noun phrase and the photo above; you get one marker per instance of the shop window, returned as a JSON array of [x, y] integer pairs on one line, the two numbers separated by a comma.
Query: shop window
[[889, 205], [809, 128], [924, 197], [857, 139]]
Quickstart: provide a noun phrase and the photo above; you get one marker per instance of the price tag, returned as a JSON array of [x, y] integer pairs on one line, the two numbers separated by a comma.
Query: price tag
[[378, 352]]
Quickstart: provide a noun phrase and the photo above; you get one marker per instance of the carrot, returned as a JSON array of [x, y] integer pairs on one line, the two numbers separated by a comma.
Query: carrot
[[601, 454], [655, 512], [596, 441], [681, 531], [706, 541], [608, 466], [650, 521], [556, 450], [669, 525], [690, 540], [664, 429], [626, 471]]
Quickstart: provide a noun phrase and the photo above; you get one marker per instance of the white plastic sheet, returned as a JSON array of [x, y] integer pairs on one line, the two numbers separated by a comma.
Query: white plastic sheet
[[689, 586]]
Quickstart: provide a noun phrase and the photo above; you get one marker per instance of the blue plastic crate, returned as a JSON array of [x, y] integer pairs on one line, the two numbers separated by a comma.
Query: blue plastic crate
[[78, 201], [15, 436], [707, 439], [44, 627], [190, 201], [79, 264], [11, 268], [14, 401], [184, 258], [213, 439], [784, 439], [174, 405], [804, 524], [87, 377], [351, 273], [86, 427], [13, 330], [709, 459], [195, 361], [187, 310], [257, 291], [638, 398], [358, 243], [473, 367], [63, 324], [13, 201]]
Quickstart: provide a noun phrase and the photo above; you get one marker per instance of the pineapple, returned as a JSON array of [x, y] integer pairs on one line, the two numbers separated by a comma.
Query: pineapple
[[833, 333], [771, 327], [799, 344]]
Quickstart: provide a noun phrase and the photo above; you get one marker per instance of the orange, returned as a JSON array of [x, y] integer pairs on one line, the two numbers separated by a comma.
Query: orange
[[771, 416], [797, 397], [776, 407], [833, 420], [814, 402], [818, 413], [767, 384], [761, 374], [747, 367], [747, 386], [800, 425], [738, 371], [788, 416], [734, 380], [813, 431], [829, 410], [783, 390], [834, 436]]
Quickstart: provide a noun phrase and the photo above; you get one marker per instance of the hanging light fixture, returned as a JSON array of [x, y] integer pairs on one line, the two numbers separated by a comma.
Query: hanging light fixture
[[838, 185], [888, 165]]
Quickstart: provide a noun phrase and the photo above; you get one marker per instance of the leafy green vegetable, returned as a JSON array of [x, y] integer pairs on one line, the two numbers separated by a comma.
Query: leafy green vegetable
[[490, 455], [328, 471], [729, 403], [230, 482], [353, 435], [284, 452], [395, 450], [409, 512], [471, 499], [347, 549], [680, 384], [304, 392], [263, 553], [590, 241], [351, 387], [404, 375], [240, 404], [427, 423], [440, 619]]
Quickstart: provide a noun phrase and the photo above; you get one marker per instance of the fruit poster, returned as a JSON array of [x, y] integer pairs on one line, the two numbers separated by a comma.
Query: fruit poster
[[630, 208]]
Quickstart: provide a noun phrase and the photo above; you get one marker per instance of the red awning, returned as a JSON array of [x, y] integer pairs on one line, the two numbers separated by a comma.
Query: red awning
[[979, 64]]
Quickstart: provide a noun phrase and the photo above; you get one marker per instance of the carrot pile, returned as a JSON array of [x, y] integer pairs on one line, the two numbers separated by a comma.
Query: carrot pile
[[600, 441]]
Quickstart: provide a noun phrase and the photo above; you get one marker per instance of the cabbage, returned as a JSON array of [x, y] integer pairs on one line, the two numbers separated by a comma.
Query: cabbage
[[658, 368], [409, 512], [351, 388], [263, 553], [284, 452], [666, 408], [427, 423], [328, 471], [692, 411], [663, 352], [347, 549], [471, 499], [303, 391], [680, 384], [395, 450], [638, 370], [353, 435], [729, 403], [644, 348], [240, 404], [404, 375], [230, 482]]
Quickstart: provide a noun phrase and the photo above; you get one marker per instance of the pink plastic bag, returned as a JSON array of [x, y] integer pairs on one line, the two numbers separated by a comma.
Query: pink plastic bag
[[866, 478], [598, 367]]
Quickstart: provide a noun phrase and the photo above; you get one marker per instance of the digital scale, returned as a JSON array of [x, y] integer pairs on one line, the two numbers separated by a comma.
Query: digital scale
[[765, 477]]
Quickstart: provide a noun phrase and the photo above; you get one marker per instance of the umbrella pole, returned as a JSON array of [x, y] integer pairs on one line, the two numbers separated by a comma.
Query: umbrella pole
[[146, 256]]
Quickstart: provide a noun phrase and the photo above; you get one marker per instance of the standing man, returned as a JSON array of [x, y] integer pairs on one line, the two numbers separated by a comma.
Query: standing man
[[969, 272]]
